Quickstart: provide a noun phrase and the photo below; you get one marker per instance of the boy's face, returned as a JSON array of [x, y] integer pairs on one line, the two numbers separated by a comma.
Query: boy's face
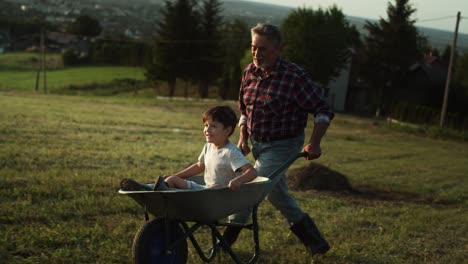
[[215, 132]]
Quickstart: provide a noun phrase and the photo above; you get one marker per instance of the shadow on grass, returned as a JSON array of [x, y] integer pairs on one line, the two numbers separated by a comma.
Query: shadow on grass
[[17, 68], [114, 87], [318, 177]]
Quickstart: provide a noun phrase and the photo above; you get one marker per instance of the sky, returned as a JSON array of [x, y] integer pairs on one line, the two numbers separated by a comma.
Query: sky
[[439, 14]]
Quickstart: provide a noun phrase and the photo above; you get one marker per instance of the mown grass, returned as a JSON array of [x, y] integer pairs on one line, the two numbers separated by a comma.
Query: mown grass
[[18, 71], [62, 158]]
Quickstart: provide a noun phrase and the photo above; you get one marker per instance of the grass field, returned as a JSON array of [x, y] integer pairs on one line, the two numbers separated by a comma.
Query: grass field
[[62, 158], [18, 71]]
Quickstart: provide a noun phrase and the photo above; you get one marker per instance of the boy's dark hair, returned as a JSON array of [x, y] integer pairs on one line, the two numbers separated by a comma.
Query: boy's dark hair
[[222, 114]]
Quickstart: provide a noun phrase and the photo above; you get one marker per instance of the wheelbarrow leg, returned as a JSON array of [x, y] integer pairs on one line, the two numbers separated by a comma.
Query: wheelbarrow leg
[[190, 230], [255, 235], [255, 230], [231, 233]]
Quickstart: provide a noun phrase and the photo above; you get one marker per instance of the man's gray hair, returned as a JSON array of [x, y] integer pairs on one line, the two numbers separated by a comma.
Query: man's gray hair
[[268, 30]]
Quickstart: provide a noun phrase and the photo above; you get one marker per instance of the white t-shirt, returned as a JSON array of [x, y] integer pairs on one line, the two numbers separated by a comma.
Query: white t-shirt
[[221, 164]]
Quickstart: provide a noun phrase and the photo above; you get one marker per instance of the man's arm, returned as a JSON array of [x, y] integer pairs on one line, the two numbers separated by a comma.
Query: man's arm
[[311, 98], [243, 143], [313, 147]]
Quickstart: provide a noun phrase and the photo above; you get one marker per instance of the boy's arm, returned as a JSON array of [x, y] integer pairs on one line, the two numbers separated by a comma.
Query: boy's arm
[[250, 173], [192, 170]]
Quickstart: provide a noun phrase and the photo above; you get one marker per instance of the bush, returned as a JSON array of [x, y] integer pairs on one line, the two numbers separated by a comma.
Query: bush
[[120, 53], [70, 58], [424, 115], [117, 86]]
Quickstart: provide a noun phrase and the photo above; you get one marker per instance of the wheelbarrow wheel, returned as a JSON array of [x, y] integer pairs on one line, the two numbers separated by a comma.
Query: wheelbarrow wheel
[[149, 244]]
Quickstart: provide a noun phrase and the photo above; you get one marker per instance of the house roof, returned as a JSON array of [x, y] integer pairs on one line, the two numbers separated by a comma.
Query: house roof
[[62, 38], [434, 72], [431, 67]]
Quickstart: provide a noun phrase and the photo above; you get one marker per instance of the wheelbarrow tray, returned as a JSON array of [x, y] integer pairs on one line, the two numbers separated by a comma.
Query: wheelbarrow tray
[[203, 206]]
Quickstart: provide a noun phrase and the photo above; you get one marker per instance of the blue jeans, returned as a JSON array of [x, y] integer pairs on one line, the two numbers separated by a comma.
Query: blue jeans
[[268, 157]]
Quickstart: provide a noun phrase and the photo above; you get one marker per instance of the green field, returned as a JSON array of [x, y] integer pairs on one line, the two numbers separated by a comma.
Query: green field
[[18, 71], [62, 158]]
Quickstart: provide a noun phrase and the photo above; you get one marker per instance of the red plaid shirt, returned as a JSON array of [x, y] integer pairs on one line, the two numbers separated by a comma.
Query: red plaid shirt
[[277, 105]]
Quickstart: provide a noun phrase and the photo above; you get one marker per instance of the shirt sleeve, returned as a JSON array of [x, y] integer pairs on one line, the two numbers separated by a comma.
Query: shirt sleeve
[[312, 98], [201, 158], [243, 120], [237, 159]]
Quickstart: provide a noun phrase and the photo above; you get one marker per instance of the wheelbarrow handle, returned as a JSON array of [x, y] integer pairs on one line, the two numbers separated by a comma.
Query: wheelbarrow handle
[[287, 164]]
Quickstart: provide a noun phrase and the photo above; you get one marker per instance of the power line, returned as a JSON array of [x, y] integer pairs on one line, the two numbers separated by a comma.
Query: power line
[[436, 19]]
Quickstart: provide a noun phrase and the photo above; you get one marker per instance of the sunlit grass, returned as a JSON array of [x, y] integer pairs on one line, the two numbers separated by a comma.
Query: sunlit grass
[[19, 71], [62, 158]]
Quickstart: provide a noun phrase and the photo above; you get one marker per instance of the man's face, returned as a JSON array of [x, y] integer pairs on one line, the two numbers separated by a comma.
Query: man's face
[[264, 51]]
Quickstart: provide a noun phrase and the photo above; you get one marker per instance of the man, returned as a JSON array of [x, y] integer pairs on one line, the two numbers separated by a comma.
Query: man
[[275, 99]]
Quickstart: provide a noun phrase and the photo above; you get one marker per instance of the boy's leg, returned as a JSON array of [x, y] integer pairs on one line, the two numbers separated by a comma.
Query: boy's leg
[[176, 182]]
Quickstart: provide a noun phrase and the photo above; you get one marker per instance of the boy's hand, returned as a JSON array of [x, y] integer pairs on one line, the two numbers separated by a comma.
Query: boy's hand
[[234, 185]]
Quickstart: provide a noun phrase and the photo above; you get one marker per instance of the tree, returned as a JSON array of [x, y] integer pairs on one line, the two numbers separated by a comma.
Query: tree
[[173, 50], [445, 57], [236, 40], [391, 47], [461, 72], [460, 93], [319, 40], [85, 25], [209, 66]]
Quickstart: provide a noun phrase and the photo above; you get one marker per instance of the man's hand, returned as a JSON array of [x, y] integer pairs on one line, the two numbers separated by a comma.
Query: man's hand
[[243, 143], [314, 151], [244, 147], [313, 147]]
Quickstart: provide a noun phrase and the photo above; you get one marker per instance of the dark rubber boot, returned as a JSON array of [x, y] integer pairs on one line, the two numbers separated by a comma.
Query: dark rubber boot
[[132, 185], [160, 185], [308, 233], [231, 233]]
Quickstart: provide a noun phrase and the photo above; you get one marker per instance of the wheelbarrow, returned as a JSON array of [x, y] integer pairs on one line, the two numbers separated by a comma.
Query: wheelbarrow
[[179, 213]]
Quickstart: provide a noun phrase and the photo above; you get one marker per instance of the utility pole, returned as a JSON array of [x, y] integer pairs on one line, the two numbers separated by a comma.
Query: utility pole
[[41, 65], [44, 59], [449, 74]]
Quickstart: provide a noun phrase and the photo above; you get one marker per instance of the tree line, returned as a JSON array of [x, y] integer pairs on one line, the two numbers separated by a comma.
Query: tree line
[[194, 44]]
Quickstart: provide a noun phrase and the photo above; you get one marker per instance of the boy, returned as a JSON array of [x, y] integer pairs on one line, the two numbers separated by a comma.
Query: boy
[[221, 161]]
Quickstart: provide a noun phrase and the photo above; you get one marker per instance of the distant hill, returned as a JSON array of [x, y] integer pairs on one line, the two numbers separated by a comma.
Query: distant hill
[[125, 2], [438, 38], [254, 12], [143, 15]]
